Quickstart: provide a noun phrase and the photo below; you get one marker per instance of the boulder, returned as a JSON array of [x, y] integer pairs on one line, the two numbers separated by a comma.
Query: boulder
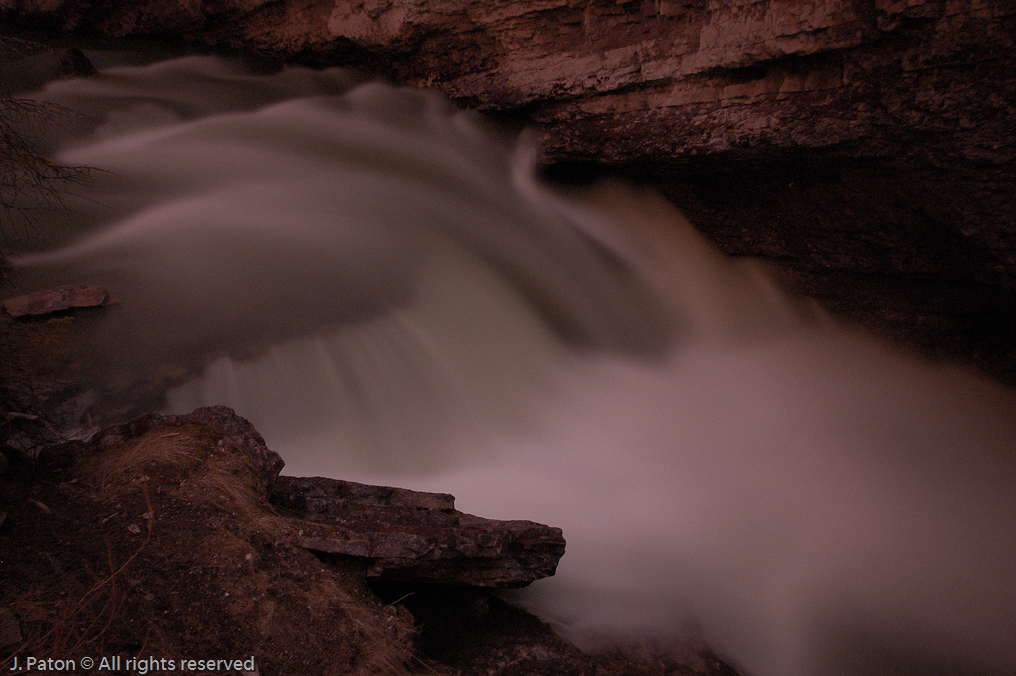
[[74, 63]]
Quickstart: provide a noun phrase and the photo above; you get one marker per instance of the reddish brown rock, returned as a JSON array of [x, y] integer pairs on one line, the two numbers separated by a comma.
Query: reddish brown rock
[[60, 298], [397, 535], [409, 536], [623, 80], [165, 540]]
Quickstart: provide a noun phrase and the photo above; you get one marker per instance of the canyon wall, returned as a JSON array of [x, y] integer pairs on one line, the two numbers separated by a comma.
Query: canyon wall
[[623, 80]]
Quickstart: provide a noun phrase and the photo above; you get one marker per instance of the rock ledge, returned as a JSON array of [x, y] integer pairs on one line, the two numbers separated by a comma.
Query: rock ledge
[[397, 535], [408, 536]]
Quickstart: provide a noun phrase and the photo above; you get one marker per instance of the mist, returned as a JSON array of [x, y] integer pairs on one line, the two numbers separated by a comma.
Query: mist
[[725, 460]]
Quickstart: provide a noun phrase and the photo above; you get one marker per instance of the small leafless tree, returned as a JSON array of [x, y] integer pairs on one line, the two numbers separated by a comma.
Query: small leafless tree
[[31, 185], [30, 182]]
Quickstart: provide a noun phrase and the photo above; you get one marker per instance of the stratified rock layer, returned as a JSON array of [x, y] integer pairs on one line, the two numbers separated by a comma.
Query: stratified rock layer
[[408, 536], [623, 80], [396, 534]]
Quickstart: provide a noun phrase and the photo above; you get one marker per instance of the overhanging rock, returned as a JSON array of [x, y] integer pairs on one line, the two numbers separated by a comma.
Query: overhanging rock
[[409, 536], [397, 534]]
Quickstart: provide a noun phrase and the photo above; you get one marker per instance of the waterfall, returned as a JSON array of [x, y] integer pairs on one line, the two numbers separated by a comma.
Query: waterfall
[[380, 283]]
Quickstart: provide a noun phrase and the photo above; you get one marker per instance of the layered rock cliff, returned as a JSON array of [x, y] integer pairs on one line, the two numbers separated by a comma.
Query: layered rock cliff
[[673, 78]]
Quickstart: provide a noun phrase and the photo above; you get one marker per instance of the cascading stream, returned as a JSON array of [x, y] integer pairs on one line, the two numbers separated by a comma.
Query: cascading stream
[[718, 454]]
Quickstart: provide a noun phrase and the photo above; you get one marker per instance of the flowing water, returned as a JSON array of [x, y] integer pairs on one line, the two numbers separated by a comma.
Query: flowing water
[[417, 309]]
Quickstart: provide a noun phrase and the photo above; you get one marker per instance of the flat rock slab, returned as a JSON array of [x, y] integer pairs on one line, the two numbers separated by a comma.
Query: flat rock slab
[[410, 536], [61, 298], [398, 535]]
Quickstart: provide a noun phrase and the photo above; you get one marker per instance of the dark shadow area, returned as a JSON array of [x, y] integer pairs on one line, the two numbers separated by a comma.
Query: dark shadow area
[[476, 633], [924, 256]]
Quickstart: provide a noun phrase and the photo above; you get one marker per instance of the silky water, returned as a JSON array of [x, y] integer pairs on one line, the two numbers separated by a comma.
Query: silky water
[[380, 283]]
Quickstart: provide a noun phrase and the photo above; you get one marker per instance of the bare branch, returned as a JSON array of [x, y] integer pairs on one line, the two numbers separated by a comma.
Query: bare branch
[[31, 184]]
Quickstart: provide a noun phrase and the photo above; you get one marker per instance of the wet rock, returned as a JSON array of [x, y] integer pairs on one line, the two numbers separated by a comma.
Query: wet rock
[[54, 300], [476, 632]]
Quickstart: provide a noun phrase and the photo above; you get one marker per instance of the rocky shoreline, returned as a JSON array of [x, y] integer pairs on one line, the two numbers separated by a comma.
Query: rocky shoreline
[[174, 537]]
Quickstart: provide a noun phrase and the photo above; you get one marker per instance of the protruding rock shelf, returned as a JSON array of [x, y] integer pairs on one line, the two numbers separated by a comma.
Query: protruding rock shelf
[[397, 534], [64, 297], [408, 536]]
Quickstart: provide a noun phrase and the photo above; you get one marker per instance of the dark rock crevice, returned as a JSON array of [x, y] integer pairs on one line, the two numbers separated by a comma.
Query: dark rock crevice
[[922, 255]]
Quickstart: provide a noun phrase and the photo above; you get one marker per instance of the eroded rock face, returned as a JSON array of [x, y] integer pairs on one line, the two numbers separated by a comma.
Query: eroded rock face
[[672, 77]]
